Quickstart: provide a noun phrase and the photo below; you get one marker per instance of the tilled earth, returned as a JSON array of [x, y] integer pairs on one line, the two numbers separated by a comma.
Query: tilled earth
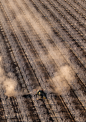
[[43, 46]]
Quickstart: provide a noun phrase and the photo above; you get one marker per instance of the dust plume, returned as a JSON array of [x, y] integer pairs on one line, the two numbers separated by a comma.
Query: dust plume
[[67, 72], [60, 84], [62, 79], [8, 83]]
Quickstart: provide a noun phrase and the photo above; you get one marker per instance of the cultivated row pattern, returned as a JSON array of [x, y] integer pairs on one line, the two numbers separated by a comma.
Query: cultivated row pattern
[[43, 46]]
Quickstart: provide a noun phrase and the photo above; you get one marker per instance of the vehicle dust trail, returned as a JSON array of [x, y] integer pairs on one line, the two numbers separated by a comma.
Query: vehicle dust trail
[[8, 82], [65, 71], [34, 18]]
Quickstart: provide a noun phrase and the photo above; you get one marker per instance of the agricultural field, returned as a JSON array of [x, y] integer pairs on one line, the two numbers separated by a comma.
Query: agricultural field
[[43, 48]]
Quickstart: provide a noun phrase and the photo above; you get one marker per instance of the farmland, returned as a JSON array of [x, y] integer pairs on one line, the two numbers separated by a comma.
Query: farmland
[[43, 47]]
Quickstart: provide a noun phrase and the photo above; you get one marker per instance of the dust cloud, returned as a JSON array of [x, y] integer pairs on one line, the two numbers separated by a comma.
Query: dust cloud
[[67, 72], [8, 83], [63, 79], [35, 19], [60, 84]]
